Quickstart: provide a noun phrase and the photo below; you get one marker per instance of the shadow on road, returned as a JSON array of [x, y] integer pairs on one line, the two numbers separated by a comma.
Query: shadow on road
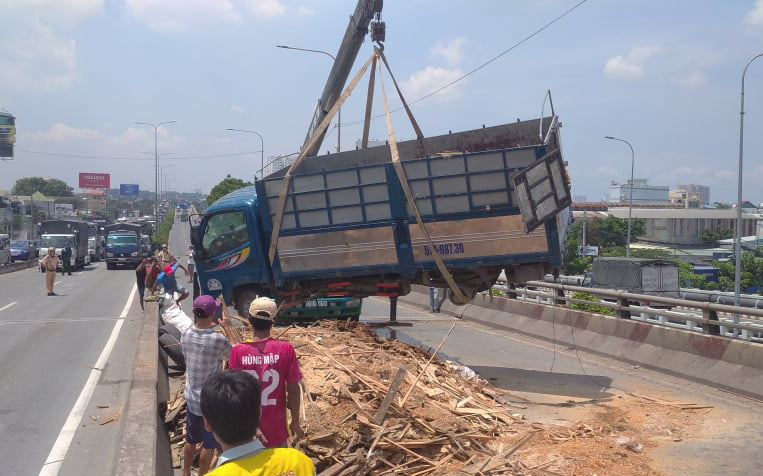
[[550, 383]]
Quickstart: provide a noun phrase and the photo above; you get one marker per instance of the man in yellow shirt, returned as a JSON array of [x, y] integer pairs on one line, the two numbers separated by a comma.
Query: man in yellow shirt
[[230, 403]]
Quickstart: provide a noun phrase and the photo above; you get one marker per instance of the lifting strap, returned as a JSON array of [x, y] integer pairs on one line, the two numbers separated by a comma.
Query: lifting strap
[[404, 182], [317, 133]]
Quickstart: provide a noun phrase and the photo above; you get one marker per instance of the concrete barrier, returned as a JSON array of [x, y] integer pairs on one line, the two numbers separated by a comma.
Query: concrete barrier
[[733, 364], [145, 446], [18, 265]]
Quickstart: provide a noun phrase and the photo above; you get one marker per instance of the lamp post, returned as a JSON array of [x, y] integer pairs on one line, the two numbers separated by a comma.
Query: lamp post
[[262, 149], [738, 240], [165, 181], [630, 203], [160, 167], [156, 162], [339, 111]]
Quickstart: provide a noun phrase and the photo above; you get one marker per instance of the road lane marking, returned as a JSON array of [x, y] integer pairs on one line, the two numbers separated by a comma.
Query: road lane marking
[[7, 306], [57, 454], [57, 282]]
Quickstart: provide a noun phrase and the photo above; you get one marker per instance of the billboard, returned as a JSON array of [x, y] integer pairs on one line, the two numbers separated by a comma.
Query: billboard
[[94, 180], [129, 189]]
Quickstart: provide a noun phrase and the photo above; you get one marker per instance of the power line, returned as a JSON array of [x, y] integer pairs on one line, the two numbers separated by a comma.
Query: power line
[[99, 157], [493, 59]]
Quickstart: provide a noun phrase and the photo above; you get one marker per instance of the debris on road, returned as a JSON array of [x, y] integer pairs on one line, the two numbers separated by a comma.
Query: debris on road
[[379, 406]]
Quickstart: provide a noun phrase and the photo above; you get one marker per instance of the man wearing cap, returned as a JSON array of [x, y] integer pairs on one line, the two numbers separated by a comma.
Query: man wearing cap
[[164, 256], [204, 351], [168, 280], [274, 363], [50, 263]]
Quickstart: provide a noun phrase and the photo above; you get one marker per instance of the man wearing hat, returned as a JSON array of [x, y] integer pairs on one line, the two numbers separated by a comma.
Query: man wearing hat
[[50, 263], [168, 280], [164, 256], [275, 364], [204, 350]]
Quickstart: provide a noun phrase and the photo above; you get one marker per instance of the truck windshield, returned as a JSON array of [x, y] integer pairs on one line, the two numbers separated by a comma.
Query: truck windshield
[[55, 241], [7, 121], [121, 240], [224, 232]]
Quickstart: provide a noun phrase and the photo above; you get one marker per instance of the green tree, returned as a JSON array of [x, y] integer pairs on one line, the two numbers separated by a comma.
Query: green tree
[[50, 187], [228, 185], [712, 235], [721, 206]]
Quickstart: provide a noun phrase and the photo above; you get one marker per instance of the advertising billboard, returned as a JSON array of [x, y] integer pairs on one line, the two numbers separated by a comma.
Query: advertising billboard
[[129, 189], [94, 180]]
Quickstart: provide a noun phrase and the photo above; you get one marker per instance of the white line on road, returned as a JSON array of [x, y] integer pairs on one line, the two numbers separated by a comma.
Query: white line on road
[[57, 454], [59, 282], [7, 306]]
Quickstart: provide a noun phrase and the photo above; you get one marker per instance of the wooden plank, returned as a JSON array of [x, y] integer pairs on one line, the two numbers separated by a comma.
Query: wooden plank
[[384, 407], [434, 354]]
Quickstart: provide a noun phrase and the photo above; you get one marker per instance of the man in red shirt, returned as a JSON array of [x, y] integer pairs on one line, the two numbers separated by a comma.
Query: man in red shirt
[[274, 363]]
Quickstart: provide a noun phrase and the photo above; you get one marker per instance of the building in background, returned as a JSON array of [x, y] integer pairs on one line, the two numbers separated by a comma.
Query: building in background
[[275, 164], [702, 190], [683, 227], [642, 192], [687, 199]]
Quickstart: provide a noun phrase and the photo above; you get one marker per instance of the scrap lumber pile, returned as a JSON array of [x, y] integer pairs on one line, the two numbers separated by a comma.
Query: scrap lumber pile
[[380, 406]]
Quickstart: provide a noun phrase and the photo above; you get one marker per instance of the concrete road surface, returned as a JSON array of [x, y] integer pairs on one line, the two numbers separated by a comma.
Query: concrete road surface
[[560, 383], [65, 366]]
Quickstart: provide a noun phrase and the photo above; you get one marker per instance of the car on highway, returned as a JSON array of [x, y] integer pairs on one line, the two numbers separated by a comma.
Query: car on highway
[[23, 250]]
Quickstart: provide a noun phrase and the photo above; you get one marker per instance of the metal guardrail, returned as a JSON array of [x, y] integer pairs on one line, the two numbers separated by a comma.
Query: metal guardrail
[[705, 317]]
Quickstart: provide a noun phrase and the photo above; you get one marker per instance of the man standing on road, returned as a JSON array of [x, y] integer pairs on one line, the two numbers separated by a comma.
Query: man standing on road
[[204, 351], [189, 254], [49, 263], [231, 405], [164, 256], [140, 276], [66, 257], [274, 363]]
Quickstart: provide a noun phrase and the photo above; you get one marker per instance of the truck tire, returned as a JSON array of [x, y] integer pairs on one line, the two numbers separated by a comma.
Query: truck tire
[[109, 266], [244, 297]]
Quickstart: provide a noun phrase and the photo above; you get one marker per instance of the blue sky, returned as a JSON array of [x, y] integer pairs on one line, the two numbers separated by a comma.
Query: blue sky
[[663, 75]]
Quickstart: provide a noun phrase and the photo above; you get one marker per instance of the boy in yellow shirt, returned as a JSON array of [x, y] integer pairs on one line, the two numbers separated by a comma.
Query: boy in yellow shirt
[[230, 403]]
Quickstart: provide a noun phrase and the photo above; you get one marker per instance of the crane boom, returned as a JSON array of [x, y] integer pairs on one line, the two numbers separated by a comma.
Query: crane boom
[[365, 12]]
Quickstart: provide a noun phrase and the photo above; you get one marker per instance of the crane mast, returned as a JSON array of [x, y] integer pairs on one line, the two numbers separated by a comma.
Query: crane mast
[[367, 12]]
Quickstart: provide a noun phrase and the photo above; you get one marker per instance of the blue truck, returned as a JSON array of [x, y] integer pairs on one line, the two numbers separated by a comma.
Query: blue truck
[[490, 199]]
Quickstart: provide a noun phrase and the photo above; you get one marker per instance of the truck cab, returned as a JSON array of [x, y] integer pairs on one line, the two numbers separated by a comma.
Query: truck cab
[[59, 242], [5, 252], [123, 248]]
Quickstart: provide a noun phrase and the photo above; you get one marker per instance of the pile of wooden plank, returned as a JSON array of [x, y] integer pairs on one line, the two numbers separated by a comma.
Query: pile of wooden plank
[[380, 406]]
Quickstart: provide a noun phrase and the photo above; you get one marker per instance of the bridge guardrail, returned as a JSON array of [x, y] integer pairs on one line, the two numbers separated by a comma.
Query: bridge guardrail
[[706, 317]]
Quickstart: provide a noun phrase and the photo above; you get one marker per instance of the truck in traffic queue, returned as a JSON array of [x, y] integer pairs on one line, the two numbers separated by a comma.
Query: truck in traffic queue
[[654, 277], [5, 248], [123, 248], [348, 229], [60, 233], [94, 241]]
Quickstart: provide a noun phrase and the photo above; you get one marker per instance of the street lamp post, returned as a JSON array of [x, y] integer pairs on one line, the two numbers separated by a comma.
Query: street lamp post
[[165, 182], [339, 111], [160, 166], [262, 148], [630, 203], [738, 240], [156, 162]]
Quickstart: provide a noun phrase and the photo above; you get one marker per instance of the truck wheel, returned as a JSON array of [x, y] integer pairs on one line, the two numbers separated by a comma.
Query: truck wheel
[[244, 299], [109, 266]]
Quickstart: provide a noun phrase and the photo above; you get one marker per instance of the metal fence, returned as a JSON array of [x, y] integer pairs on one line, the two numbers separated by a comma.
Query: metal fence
[[705, 317]]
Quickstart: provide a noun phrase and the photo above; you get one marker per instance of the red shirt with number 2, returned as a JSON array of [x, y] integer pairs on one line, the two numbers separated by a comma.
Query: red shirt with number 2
[[275, 364]]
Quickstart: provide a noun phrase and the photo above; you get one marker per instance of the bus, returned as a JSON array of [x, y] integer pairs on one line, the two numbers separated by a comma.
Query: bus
[[7, 134]]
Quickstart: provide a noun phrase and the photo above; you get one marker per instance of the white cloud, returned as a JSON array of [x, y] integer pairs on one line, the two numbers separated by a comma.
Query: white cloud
[[304, 10], [452, 52], [70, 137], [631, 65], [725, 174], [692, 79], [237, 110], [755, 16], [431, 78], [266, 8], [606, 172], [182, 15], [37, 53]]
